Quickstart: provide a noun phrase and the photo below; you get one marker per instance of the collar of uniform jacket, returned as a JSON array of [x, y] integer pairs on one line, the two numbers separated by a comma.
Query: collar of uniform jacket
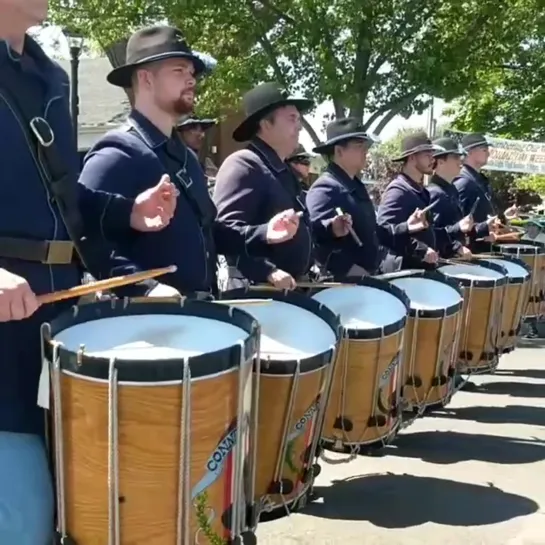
[[31, 48], [354, 185], [476, 175], [415, 185], [151, 134], [268, 155], [441, 182]]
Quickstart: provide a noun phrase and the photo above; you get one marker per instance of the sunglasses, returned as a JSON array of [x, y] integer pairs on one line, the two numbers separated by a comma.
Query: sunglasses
[[304, 162]]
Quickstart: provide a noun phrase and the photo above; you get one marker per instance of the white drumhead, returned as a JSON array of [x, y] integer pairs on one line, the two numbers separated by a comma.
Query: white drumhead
[[362, 307], [288, 331], [514, 270], [148, 337], [471, 272], [428, 294]]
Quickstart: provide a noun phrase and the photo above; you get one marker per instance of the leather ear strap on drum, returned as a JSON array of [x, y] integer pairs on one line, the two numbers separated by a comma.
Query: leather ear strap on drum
[[103, 285]]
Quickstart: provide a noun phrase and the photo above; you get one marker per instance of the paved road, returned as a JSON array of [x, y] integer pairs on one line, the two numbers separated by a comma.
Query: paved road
[[473, 474]]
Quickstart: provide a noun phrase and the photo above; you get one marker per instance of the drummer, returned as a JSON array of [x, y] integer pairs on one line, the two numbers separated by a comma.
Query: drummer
[[299, 161], [403, 223], [192, 131], [340, 190], [472, 184], [449, 223], [255, 183]]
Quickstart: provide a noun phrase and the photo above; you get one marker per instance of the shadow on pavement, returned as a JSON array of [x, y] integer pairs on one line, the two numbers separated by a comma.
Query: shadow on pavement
[[523, 373], [514, 389], [510, 414], [401, 501], [536, 342], [449, 447]]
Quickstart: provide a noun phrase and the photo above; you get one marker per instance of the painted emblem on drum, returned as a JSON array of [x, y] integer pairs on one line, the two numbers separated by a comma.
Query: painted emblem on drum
[[215, 466], [390, 372], [300, 427]]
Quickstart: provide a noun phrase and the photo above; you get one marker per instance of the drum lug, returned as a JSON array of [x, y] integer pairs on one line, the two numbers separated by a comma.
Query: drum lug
[[441, 380], [284, 486], [246, 538], [316, 470], [63, 540], [415, 381], [344, 424], [378, 421]]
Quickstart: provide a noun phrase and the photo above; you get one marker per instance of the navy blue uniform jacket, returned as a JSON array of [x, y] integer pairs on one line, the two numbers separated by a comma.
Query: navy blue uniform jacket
[[447, 214], [336, 189], [132, 159], [401, 198], [252, 186], [471, 185], [28, 212]]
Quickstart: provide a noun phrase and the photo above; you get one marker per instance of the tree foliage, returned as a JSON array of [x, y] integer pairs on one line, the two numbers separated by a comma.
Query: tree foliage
[[508, 99], [373, 60]]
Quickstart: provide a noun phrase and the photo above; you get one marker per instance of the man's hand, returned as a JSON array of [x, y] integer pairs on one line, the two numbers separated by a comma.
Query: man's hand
[[493, 223], [466, 224], [417, 221], [17, 300], [492, 237], [431, 256], [162, 290], [341, 225], [282, 280], [512, 212], [465, 253], [154, 208], [283, 226]]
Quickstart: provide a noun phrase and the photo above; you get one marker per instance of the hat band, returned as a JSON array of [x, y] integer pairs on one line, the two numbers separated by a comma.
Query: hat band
[[149, 52], [482, 143]]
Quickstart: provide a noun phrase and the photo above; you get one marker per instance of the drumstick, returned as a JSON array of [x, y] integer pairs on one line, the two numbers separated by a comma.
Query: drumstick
[[353, 234], [244, 301], [102, 285], [398, 274], [429, 207]]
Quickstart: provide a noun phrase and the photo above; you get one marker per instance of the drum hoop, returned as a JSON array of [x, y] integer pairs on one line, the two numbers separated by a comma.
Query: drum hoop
[[485, 282], [520, 251], [377, 332], [439, 312], [271, 366], [159, 370], [516, 261]]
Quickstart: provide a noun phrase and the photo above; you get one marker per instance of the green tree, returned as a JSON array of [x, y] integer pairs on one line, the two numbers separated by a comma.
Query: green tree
[[373, 60], [508, 99]]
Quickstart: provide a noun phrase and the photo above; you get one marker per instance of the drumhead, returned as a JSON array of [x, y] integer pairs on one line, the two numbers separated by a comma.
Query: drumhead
[[514, 270], [364, 307], [290, 332], [428, 294], [471, 272], [150, 337]]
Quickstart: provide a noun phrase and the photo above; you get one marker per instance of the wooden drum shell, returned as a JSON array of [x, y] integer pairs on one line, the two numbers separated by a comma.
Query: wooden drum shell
[[149, 457], [358, 367], [274, 396], [536, 263], [425, 344]]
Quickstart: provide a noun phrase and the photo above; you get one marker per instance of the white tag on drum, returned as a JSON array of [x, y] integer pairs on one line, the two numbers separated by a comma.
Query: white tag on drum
[[43, 386]]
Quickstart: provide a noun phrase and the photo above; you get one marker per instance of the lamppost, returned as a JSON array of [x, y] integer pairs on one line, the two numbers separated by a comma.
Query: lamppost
[[75, 43]]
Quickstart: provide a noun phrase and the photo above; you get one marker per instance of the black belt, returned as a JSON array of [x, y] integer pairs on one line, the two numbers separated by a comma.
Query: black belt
[[48, 252]]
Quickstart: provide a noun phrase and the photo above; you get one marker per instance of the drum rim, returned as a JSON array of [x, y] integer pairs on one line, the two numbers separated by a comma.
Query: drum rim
[[516, 261], [376, 332], [159, 370], [481, 283], [521, 251], [435, 313], [271, 366]]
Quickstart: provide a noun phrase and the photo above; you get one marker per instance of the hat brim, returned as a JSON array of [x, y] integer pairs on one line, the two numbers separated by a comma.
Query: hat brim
[[481, 144], [122, 75], [248, 127], [328, 144], [414, 151], [204, 123]]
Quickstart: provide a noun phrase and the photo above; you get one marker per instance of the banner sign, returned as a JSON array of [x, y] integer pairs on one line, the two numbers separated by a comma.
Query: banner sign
[[511, 155]]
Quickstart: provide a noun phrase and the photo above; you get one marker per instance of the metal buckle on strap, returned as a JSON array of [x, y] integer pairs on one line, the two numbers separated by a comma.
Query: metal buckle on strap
[[59, 252], [42, 131]]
